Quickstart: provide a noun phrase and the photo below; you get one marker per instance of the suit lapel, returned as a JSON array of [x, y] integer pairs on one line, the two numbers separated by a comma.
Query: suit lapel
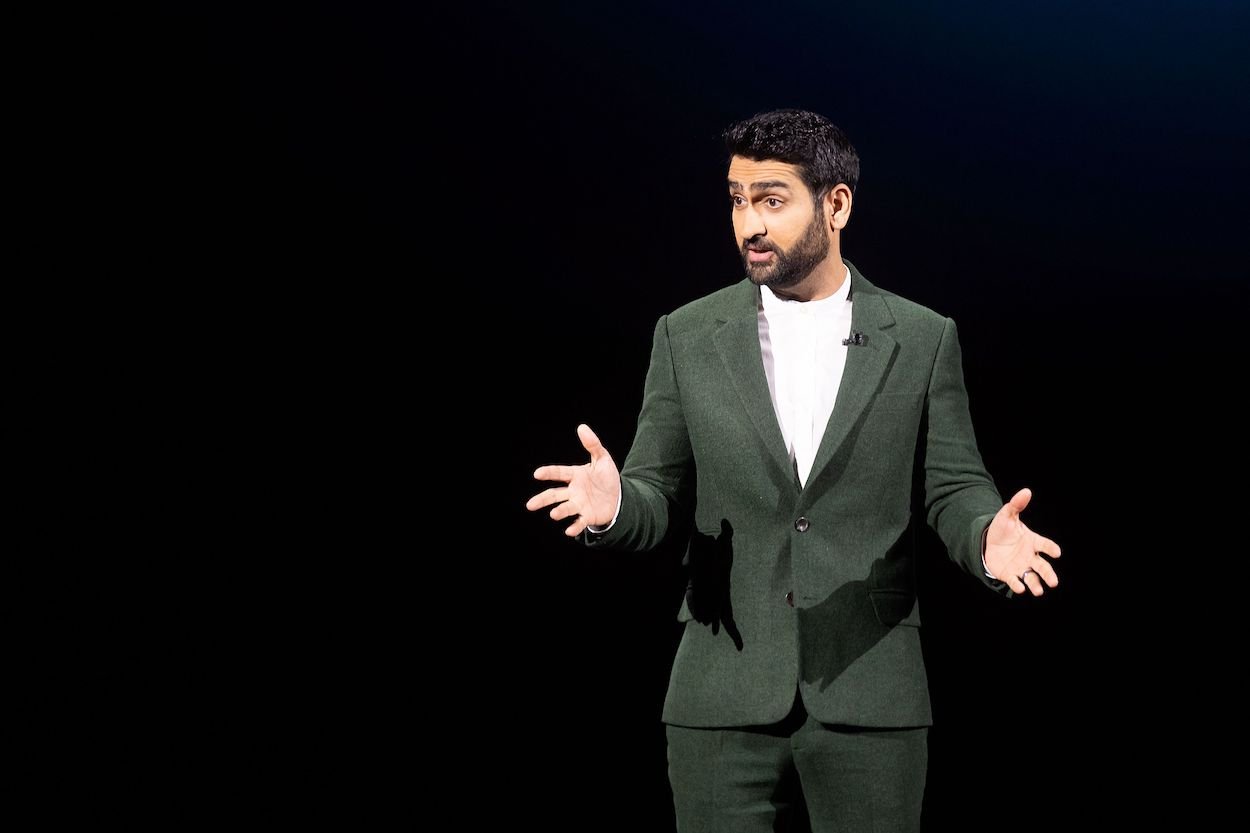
[[866, 364], [738, 342]]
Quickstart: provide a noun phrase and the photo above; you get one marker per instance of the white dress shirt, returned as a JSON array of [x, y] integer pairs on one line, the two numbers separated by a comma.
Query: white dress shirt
[[801, 344]]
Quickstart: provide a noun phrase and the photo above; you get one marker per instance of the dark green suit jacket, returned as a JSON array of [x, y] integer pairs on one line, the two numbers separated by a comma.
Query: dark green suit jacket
[[811, 585]]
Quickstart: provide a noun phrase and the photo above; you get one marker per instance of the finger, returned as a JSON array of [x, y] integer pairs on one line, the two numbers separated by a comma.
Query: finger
[[546, 498], [1045, 572], [1016, 584], [564, 473], [565, 510], [1032, 582], [576, 527], [590, 441], [1020, 500], [1046, 545]]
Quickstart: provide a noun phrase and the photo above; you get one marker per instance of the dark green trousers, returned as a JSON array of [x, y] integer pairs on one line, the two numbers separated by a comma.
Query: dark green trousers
[[797, 775]]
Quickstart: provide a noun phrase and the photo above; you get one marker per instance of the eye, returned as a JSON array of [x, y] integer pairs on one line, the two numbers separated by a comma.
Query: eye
[[773, 202], [736, 199]]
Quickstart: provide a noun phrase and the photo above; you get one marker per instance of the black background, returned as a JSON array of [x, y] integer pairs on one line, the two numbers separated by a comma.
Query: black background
[[437, 243]]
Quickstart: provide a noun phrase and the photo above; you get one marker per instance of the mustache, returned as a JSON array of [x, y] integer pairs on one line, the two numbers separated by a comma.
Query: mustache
[[758, 245]]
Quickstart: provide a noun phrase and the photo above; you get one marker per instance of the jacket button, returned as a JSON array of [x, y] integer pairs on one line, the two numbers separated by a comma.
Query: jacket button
[[790, 598], [802, 524]]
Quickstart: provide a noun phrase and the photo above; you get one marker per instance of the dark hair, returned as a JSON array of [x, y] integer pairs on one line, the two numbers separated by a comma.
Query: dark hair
[[809, 141]]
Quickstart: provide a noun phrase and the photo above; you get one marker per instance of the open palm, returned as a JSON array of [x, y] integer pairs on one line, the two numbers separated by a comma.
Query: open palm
[[1013, 551], [591, 492]]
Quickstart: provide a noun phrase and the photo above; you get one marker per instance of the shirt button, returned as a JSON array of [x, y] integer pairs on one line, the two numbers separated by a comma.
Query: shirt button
[[802, 524], [790, 598]]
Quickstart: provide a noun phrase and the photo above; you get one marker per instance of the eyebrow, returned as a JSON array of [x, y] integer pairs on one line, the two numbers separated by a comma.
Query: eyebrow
[[756, 187]]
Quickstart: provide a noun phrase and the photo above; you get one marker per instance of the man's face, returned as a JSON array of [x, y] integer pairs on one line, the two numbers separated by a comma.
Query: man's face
[[781, 234]]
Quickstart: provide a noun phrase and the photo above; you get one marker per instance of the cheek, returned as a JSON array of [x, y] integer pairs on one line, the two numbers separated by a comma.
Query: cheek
[[785, 233]]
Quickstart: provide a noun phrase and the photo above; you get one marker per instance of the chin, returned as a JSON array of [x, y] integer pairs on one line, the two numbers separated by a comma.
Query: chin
[[760, 275]]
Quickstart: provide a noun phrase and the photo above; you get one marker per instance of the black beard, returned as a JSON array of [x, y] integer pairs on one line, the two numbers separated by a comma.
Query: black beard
[[789, 268]]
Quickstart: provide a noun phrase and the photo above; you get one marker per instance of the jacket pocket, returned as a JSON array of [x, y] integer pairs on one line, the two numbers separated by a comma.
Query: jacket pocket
[[894, 607]]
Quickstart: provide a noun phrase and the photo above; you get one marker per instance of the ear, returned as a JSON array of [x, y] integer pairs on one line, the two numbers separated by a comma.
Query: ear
[[838, 206]]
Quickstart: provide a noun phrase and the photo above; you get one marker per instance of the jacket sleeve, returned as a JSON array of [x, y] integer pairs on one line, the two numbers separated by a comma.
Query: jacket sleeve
[[960, 496], [658, 475]]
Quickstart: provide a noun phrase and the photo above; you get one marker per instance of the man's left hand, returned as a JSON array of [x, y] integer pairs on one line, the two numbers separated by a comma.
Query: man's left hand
[[1013, 551]]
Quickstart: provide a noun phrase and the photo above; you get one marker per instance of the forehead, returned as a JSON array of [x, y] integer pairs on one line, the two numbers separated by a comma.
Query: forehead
[[750, 171]]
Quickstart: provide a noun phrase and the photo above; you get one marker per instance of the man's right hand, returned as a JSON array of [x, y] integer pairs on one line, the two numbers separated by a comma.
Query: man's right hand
[[591, 492]]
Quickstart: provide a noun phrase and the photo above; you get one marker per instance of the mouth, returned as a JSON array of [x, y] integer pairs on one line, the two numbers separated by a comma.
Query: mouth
[[759, 255]]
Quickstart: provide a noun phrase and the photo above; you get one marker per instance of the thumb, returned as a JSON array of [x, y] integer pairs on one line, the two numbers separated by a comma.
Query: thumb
[[1020, 500], [590, 441]]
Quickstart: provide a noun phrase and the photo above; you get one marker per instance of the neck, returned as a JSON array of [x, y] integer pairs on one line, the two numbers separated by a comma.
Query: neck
[[824, 280]]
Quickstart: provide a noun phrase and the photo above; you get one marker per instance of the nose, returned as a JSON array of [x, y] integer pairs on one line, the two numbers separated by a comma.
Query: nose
[[751, 223]]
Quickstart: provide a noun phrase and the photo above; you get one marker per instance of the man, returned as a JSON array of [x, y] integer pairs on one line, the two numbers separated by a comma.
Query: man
[[807, 418]]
